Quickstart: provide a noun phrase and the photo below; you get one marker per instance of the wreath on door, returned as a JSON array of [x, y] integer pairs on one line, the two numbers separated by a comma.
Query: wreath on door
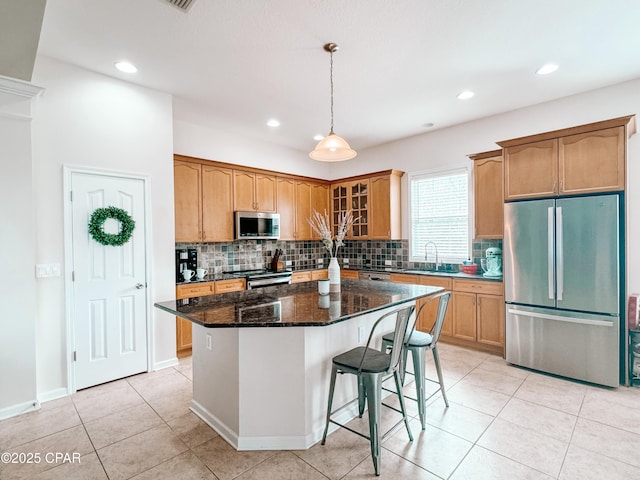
[[96, 223]]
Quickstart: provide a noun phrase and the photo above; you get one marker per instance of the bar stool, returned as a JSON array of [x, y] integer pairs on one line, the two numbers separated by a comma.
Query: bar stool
[[372, 367], [419, 343]]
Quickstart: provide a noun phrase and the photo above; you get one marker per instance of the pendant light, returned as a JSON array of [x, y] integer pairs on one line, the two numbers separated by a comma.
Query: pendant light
[[332, 148]]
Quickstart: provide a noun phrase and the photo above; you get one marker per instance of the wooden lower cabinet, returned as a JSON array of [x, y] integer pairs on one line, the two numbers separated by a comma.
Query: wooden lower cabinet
[[475, 314], [183, 327]]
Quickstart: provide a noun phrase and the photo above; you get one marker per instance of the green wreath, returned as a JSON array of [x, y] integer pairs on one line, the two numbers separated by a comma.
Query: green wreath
[[100, 215]]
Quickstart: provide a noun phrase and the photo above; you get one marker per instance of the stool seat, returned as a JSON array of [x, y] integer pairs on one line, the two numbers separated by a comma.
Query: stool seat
[[374, 360], [417, 339]]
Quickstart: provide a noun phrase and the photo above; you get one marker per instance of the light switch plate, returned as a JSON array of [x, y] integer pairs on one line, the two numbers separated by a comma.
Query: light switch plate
[[387, 263], [44, 270]]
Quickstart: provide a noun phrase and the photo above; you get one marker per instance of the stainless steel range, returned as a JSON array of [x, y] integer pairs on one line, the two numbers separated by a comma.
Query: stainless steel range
[[262, 278]]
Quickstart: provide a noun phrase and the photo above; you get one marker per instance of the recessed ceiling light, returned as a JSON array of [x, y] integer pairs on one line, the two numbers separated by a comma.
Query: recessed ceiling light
[[547, 69], [126, 67], [273, 123], [465, 95], [318, 137]]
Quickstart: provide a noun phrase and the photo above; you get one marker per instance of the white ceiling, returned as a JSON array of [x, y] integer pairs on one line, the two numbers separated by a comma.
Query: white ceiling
[[233, 64]]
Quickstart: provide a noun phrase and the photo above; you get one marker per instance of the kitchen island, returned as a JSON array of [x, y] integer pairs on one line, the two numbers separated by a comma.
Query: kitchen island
[[262, 358]]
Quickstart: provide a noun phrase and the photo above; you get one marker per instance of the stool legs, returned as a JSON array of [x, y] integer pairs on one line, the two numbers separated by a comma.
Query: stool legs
[[436, 360], [418, 356], [332, 387]]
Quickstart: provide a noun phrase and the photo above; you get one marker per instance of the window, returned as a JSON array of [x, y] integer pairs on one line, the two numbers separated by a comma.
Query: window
[[439, 213]]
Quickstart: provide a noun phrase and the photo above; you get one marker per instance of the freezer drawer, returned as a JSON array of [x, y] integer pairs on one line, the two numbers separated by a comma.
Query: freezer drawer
[[575, 345]]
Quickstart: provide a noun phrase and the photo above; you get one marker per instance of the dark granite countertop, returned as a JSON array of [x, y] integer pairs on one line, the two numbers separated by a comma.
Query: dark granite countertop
[[295, 305]]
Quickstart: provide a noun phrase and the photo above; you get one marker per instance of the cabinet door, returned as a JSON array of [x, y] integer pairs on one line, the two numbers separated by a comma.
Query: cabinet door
[[531, 170], [303, 210], [319, 202], [300, 277], [380, 207], [265, 193], [187, 201], [428, 317], [592, 162], [464, 315], [359, 197], [244, 186], [217, 204], [286, 191], [339, 204], [183, 336], [490, 313], [489, 200]]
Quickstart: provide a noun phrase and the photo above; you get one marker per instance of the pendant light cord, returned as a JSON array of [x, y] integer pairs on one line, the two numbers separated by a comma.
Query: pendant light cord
[[331, 83]]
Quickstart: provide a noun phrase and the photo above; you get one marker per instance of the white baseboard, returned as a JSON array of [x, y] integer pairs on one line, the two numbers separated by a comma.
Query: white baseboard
[[19, 409], [171, 362], [52, 395]]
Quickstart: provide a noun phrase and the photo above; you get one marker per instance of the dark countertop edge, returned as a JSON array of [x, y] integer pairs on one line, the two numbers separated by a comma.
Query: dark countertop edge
[[297, 324]]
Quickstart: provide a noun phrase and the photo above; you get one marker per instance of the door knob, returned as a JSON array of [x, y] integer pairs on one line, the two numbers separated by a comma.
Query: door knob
[[139, 286]]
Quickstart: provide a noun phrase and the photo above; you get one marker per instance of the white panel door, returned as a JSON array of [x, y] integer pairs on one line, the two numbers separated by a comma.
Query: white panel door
[[109, 299]]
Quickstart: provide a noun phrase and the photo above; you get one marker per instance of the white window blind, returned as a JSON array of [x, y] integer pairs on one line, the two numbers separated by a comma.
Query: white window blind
[[440, 213]]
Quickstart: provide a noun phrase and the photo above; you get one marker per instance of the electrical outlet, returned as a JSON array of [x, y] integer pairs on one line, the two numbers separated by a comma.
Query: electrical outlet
[[288, 263], [320, 261], [209, 342], [361, 334], [387, 263], [345, 260]]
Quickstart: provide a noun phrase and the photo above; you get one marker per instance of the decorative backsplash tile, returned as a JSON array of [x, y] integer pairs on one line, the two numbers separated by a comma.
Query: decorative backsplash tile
[[257, 254]]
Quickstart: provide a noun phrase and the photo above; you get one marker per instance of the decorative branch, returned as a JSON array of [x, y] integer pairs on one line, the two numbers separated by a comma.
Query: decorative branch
[[321, 225]]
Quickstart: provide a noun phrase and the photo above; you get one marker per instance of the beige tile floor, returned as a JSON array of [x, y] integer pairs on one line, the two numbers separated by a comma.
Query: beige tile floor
[[503, 423]]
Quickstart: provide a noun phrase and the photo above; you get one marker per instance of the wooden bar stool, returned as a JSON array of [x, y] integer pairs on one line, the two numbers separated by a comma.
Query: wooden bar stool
[[372, 367], [418, 344]]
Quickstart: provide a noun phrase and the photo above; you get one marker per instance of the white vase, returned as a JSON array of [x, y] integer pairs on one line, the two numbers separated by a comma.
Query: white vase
[[334, 275]]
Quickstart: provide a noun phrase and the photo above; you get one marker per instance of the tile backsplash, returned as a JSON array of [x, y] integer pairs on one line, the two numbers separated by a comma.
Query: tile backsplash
[[257, 254]]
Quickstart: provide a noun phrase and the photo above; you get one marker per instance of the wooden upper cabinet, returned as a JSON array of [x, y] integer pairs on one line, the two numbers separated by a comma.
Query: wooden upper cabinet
[[531, 170], [286, 202], [217, 204], [584, 159], [488, 196], [244, 186], [265, 193], [385, 217], [592, 162], [303, 210], [187, 201], [254, 192]]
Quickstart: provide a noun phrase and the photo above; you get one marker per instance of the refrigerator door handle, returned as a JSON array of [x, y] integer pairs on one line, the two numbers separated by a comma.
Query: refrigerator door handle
[[559, 253], [582, 321], [550, 277]]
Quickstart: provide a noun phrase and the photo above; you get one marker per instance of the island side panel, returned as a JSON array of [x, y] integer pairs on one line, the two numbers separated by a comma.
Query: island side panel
[[215, 380], [272, 378]]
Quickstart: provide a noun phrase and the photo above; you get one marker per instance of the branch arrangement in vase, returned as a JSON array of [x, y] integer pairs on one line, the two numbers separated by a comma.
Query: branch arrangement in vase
[[322, 227]]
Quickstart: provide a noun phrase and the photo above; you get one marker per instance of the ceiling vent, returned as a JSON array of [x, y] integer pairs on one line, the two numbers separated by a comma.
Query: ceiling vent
[[183, 5]]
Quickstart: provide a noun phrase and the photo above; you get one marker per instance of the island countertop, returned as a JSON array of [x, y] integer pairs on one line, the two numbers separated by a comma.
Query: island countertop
[[294, 305]]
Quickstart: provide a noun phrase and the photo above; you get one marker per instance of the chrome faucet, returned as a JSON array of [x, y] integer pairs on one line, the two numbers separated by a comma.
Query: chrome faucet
[[426, 252]]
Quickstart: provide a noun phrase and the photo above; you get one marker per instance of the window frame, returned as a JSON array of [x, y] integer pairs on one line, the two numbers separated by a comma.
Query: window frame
[[440, 172]]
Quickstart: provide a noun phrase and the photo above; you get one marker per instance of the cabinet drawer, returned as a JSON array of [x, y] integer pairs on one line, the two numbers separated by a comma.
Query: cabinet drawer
[[353, 274], [318, 274], [404, 278], [195, 290], [490, 287], [433, 281], [299, 277], [235, 285]]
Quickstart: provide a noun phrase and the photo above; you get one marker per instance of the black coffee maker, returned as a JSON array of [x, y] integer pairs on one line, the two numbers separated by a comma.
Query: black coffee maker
[[186, 258]]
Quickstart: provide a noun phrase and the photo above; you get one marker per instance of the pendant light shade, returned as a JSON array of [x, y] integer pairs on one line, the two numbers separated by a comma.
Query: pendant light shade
[[332, 148]]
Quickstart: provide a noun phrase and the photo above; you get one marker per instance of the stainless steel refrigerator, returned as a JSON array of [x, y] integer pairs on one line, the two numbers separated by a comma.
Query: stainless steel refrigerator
[[563, 280]]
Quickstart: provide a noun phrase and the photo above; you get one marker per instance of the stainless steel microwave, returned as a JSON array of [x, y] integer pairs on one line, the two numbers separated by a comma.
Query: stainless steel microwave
[[257, 225]]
